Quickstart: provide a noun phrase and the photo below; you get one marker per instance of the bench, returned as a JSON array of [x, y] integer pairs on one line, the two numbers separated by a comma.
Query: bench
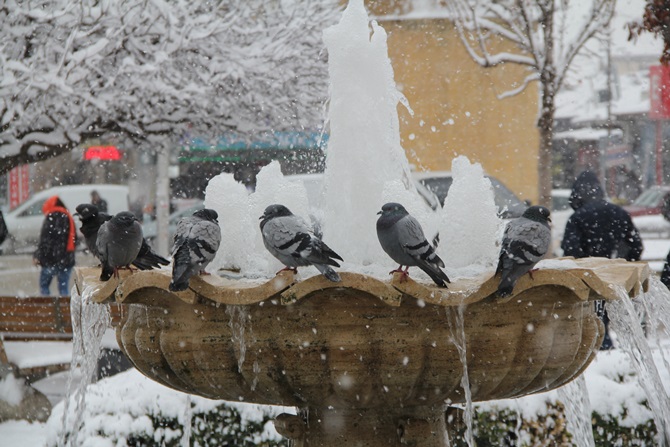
[[37, 319]]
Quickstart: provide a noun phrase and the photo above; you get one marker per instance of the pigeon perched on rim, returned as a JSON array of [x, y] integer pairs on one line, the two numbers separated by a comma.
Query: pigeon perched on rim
[[91, 220], [196, 242], [525, 241], [288, 238], [402, 238], [118, 243]]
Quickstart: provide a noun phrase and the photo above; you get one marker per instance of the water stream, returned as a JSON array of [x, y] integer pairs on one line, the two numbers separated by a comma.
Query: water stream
[[457, 332], [188, 422], [575, 398], [625, 322], [90, 320], [239, 316]]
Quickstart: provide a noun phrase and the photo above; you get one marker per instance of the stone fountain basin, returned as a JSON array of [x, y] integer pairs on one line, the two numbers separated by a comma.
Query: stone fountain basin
[[363, 343]]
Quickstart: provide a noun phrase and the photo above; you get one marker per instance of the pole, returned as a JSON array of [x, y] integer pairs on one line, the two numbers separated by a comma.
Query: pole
[[162, 199]]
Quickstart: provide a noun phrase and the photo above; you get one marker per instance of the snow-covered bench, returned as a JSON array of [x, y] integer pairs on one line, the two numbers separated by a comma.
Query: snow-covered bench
[[34, 319]]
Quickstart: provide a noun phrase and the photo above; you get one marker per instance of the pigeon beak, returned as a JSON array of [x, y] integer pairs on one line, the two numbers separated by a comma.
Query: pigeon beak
[[549, 219], [262, 217], [379, 213]]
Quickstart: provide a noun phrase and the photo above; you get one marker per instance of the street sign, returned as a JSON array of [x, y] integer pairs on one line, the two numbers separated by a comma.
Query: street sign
[[19, 185], [659, 94]]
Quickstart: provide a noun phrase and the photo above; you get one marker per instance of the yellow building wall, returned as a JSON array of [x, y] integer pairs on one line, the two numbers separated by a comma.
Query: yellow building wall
[[457, 109]]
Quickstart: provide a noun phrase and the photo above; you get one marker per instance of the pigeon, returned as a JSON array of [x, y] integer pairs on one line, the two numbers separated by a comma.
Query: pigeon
[[402, 238], [525, 241], [288, 238], [118, 243], [196, 242], [92, 219]]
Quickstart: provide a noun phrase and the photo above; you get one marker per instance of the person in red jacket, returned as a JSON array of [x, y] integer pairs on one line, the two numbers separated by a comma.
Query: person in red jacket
[[55, 250]]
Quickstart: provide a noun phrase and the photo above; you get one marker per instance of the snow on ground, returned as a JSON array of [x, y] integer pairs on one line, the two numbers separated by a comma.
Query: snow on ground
[[113, 402]]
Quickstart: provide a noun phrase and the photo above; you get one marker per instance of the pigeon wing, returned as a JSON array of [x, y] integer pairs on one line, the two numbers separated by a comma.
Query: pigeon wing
[[414, 242], [287, 237]]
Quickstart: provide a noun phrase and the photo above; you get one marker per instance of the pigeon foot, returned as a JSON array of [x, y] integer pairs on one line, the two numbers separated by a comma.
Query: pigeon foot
[[288, 269], [404, 274]]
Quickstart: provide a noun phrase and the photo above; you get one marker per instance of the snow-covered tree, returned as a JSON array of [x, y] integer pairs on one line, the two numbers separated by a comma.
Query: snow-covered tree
[[71, 70], [544, 36]]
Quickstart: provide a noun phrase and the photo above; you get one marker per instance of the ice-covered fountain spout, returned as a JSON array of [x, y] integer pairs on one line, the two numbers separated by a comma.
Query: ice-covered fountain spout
[[366, 362]]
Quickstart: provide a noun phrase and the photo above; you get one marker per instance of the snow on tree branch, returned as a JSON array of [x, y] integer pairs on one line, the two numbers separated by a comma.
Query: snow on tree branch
[[540, 34], [89, 68]]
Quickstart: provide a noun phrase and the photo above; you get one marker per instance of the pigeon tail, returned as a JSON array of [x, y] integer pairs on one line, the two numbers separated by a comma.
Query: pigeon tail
[[182, 269], [436, 274], [328, 272], [150, 261], [178, 286], [505, 289], [106, 273]]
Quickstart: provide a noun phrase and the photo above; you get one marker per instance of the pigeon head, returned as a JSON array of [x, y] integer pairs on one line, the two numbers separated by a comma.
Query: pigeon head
[[538, 214], [125, 218], [393, 209], [273, 211], [207, 214], [86, 211]]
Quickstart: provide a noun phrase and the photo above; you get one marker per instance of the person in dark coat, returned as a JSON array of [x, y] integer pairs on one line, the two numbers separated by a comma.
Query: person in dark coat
[[56, 248], [98, 201], [599, 228], [665, 274]]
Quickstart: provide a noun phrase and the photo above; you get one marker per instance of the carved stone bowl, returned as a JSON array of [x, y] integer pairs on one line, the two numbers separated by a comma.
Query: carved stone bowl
[[364, 354]]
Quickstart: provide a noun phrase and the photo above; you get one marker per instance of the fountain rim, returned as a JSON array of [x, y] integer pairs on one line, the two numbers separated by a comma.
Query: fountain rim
[[592, 279]]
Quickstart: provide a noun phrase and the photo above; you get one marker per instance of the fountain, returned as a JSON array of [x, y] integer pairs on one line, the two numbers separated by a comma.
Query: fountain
[[367, 361]]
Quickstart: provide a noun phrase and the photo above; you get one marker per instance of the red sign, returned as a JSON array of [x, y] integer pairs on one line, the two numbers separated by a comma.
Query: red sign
[[659, 94], [19, 185], [102, 153]]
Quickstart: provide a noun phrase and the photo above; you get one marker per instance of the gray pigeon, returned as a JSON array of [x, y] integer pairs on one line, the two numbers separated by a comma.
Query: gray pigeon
[[525, 242], [402, 238], [91, 219], [290, 240], [196, 242], [118, 244]]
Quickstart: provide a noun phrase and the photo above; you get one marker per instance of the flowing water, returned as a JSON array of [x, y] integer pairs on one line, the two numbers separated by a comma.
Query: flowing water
[[457, 331], [240, 328], [575, 398], [90, 320], [625, 322], [188, 421]]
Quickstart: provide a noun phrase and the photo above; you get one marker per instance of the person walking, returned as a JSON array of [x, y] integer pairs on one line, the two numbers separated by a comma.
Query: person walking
[[599, 228], [56, 247], [98, 201]]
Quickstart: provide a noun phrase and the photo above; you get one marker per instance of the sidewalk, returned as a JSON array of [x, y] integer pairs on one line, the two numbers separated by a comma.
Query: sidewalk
[[19, 277]]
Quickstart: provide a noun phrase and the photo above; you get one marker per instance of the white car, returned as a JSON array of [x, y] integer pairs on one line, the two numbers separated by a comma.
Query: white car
[[24, 223], [150, 228]]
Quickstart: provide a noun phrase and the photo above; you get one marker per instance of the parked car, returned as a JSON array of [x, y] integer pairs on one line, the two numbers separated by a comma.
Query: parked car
[[439, 182], [150, 227], [25, 221], [649, 202], [560, 199]]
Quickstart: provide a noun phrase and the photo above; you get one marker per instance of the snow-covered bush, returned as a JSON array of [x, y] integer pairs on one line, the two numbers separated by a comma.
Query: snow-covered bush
[[131, 410]]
